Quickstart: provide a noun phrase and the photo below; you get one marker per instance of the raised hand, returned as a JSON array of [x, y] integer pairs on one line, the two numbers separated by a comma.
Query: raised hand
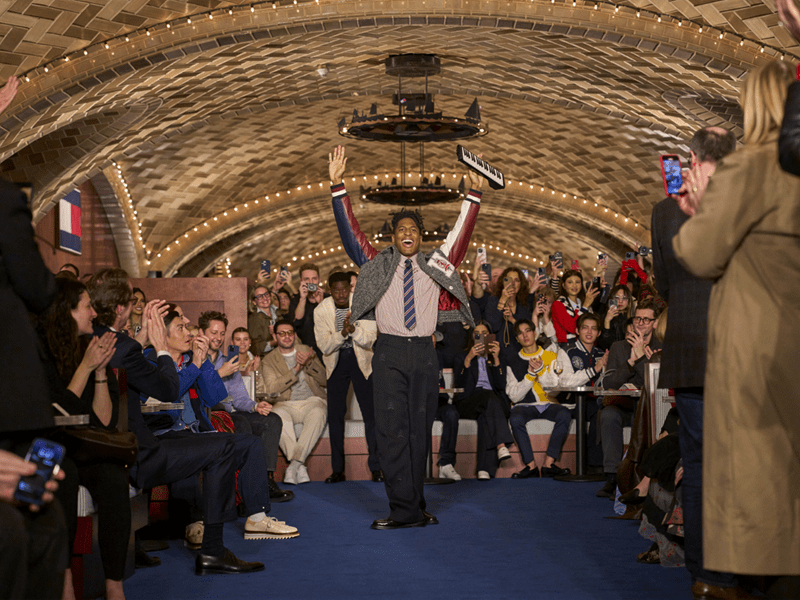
[[475, 180], [336, 164], [535, 365], [591, 295], [229, 368], [790, 15], [691, 192], [199, 349], [156, 330]]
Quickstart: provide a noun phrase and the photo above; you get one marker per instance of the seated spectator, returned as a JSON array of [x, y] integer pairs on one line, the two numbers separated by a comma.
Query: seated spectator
[[259, 322], [347, 353], [480, 374], [249, 417], [571, 304], [508, 305], [455, 334], [620, 309], [305, 303], [527, 371], [81, 384], [179, 456], [585, 355], [139, 301], [296, 374], [627, 361]]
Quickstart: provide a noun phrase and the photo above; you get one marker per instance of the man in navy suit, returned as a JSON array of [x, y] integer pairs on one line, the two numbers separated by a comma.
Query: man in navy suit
[[683, 362]]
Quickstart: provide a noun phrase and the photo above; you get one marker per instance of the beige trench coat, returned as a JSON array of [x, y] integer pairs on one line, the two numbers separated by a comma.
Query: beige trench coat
[[746, 235]]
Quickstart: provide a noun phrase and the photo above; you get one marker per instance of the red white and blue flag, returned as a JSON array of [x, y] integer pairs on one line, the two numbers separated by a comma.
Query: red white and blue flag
[[69, 214]]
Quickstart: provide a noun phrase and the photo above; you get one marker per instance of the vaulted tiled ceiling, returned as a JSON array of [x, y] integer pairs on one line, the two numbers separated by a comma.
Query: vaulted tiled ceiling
[[206, 116]]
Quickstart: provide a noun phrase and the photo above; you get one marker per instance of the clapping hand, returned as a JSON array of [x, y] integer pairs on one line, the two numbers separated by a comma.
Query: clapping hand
[[100, 351], [347, 328], [636, 340], [199, 349], [535, 365], [600, 364]]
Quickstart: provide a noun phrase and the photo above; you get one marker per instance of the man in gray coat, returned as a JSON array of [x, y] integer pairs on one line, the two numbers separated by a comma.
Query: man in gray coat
[[406, 292]]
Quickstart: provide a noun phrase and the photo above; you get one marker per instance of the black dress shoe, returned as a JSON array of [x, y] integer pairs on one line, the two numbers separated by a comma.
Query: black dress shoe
[[609, 490], [429, 518], [632, 497], [526, 473], [227, 563], [143, 560], [377, 476], [336, 477], [554, 470], [392, 524], [276, 494]]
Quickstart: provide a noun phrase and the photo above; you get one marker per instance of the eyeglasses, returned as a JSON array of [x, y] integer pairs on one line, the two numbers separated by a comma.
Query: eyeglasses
[[643, 320], [261, 296], [285, 333]]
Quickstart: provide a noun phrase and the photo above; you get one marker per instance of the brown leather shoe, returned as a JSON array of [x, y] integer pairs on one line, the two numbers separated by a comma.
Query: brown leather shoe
[[704, 591]]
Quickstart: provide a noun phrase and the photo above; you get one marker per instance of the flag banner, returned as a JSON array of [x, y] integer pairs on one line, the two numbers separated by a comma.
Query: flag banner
[[69, 217]]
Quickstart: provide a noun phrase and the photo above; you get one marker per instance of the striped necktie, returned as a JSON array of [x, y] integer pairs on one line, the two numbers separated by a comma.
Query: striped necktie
[[408, 296]]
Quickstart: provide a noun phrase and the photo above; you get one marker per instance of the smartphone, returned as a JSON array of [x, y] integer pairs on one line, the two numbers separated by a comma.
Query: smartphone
[[47, 457], [596, 283], [487, 268], [575, 266], [601, 257], [284, 273], [671, 173], [558, 257], [482, 252], [630, 256], [265, 266], [613, 302], [312, 287], [525, 273], [233, 351], [541, 272]]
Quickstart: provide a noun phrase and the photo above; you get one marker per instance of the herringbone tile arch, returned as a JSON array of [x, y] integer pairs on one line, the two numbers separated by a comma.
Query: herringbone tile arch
[[214, 118]]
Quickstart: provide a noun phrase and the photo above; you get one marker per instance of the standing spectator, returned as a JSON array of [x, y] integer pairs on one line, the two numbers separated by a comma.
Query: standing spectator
[[249, 417], [571, 304], [36, 562], [347, 353], [259, 321], [297, 376], [751, 438], [508, 305], [139, 302], [683, 361], [305, 303], [619, 311]]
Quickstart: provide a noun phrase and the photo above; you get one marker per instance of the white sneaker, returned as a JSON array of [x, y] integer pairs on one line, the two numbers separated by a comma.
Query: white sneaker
[[483, 475], [194, 535], [268, 528], [503, 453], [449, 472], [302, 474], [291, 475]]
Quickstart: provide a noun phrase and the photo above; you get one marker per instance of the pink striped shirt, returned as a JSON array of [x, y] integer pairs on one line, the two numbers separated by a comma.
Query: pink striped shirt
[[390, 312]]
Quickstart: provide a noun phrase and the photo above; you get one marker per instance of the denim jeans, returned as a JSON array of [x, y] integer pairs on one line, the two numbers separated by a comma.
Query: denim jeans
[[690, 409]]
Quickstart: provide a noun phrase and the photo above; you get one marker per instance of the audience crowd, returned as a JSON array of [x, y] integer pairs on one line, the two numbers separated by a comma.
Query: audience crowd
[[236, 397]]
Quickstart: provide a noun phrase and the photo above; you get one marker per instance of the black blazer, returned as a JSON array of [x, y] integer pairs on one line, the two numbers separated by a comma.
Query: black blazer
[[25, 285], [467, 378], [144, 378], [683, 362]]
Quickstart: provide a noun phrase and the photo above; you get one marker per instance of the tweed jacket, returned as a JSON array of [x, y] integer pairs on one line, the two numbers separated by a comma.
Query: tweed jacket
[[329, 340], [683, 361], [279, 378], [378, 268]]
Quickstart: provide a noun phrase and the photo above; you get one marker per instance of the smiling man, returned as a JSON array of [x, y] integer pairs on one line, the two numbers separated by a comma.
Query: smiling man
[[406, 292]]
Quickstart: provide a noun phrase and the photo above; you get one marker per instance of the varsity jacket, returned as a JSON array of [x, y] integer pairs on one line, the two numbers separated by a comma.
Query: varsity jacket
[[378, 268], [329, 340]]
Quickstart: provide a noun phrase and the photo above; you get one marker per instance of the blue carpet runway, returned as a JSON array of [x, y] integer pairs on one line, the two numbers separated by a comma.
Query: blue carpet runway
[[503, 539]]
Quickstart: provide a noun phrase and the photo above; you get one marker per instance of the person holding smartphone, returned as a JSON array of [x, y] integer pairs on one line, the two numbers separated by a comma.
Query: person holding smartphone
[[617, 317], [571, 304], [508, 305]]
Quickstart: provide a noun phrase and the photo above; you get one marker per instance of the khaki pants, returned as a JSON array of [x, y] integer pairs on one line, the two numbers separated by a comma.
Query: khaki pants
[[312, 413]]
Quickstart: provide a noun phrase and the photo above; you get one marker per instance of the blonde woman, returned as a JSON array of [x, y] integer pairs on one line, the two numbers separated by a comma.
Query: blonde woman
[[749, 214]]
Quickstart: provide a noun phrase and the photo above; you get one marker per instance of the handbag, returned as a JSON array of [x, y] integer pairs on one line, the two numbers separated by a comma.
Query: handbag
[[88, 442]]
